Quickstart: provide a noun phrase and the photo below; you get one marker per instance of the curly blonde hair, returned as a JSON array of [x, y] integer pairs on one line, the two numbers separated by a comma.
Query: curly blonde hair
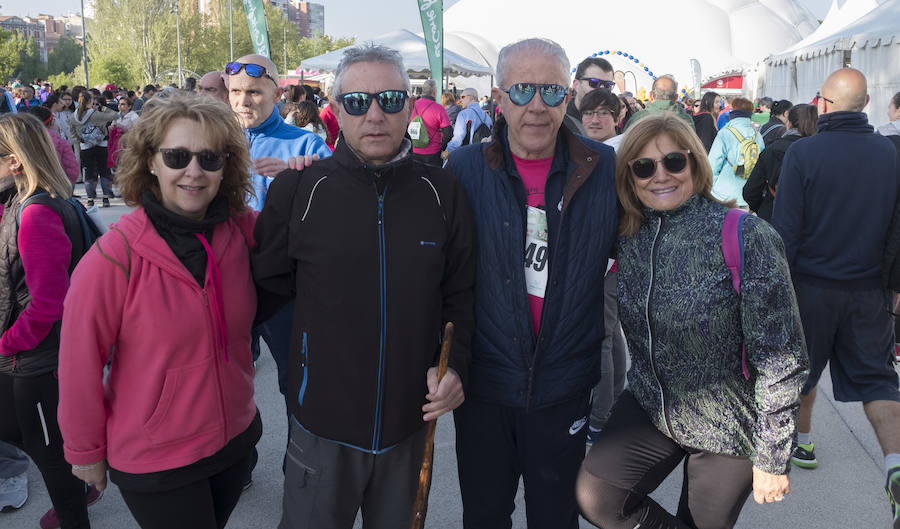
[[223, 132]]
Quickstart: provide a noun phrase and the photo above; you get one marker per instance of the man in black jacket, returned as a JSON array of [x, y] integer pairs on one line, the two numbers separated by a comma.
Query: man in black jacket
[[378, 250], [843, 172]]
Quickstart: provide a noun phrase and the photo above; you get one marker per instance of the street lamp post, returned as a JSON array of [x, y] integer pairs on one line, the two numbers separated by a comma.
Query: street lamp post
[[231, 27], [284, 53], [84, 44], [178, 37]]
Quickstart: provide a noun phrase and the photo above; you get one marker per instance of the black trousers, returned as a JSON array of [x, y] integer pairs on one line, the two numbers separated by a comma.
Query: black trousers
[[203, 504], [28, 404], [629, 460], [93, 161], [496, 445]]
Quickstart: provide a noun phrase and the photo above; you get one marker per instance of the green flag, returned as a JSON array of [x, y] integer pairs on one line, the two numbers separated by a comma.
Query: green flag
[[259, 31], [432, 14]]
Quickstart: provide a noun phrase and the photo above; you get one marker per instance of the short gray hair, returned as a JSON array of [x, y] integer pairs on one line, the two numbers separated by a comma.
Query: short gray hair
[[532, 46], [369, 52], [665, 95], [429, 88], [470, 92], [766, 102]]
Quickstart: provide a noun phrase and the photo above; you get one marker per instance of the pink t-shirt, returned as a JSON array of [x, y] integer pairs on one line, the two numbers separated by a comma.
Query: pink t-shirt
[[435, 117], [534, 175]]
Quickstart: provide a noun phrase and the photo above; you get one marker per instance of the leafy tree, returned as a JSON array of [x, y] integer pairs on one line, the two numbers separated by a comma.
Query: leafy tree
[[60, 79], [11, 48], [65, 57]]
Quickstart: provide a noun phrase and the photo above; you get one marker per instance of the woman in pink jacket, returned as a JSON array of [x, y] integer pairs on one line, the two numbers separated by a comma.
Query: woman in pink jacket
[[36, 221], [167, 294]]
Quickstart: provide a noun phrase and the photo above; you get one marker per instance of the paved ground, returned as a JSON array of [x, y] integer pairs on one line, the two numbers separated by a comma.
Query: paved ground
[[846, 491]]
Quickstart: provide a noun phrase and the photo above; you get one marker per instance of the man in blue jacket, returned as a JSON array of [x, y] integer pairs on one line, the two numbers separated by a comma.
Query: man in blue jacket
[[541, 192], [253, 91], [836, 195]]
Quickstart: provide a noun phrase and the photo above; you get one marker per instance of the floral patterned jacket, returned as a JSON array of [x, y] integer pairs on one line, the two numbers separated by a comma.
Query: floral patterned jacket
[[685, 325]]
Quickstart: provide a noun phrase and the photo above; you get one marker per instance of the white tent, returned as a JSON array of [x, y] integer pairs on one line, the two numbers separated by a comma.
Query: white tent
[[720, 34], [415, 58], [871, 43]]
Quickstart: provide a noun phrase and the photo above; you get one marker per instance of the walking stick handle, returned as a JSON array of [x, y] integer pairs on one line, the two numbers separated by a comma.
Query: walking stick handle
[[420, 507]]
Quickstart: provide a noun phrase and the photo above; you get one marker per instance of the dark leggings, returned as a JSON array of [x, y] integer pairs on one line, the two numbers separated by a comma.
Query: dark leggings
[[93, 161], [31, 403], [630, 459], [203, 504]]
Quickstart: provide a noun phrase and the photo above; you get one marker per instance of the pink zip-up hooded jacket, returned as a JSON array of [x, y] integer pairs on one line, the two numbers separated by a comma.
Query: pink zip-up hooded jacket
[[180, 385]]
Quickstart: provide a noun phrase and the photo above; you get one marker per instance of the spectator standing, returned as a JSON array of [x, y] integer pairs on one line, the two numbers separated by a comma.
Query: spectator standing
[[892, 128], [777, 124], [470, 118], [451, 106], [729, 154], [63, 149], [89, 126], [705, 119], [429, 126], [590, 74]]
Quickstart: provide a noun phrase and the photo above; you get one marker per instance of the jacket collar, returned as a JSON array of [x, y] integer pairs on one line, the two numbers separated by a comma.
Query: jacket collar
[[267, 127], [844, 121], [570, 150]]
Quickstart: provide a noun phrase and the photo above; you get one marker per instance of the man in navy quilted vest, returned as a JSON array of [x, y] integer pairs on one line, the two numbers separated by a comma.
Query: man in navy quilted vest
[[546, 222]]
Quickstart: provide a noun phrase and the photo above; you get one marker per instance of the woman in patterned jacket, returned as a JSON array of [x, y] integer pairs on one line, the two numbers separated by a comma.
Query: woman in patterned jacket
[[693, 394]]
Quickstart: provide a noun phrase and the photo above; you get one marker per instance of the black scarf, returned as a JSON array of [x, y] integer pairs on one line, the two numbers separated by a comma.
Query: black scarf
[[179, 232]]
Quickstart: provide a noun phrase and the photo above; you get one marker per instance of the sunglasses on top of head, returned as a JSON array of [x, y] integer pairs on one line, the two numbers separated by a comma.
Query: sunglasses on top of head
[[674, 163], [593, 82], [253, 70], [358, 103], [179, 158], [551, 94]]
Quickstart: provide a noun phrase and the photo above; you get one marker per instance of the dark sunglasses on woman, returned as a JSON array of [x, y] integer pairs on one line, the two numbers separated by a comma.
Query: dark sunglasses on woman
[[551, 94], [180, 158], [358, 103], [673, 163]]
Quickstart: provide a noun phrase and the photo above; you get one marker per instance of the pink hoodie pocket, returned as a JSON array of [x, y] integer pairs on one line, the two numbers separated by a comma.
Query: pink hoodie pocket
[[189, 404]]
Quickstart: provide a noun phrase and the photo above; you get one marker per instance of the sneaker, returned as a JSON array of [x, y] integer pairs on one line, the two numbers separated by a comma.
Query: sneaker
[[50, 521], [90, 203], [105, 202], [592, 435], [892, 487], [14, 491], [804, 456]]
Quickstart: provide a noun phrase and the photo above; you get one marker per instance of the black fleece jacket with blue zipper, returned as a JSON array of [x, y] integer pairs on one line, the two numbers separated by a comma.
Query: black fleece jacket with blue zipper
[[378, 259]]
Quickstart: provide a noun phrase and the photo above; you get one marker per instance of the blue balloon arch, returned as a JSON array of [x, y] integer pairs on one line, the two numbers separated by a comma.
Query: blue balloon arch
[[632, 58]]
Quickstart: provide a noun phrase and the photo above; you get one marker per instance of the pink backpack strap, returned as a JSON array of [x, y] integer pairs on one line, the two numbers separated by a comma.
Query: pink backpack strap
[[733, 251]]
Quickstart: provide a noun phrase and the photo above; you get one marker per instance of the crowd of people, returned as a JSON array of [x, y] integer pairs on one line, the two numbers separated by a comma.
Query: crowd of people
[[703, 240]]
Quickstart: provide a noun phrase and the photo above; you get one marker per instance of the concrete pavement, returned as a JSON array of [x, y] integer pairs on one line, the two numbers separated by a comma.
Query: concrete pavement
[[846, 491]]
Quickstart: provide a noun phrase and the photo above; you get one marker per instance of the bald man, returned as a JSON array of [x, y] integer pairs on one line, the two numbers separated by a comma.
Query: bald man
[[663, 98], [253, 91], [836, 195], [213, 84]]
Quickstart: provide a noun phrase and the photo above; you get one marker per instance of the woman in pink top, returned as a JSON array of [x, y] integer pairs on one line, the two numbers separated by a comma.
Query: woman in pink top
[[63, 149], [35, 263], [168, 290]]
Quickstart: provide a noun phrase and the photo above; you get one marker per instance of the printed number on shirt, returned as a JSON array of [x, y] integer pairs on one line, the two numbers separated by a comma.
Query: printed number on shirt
[[536, 253]]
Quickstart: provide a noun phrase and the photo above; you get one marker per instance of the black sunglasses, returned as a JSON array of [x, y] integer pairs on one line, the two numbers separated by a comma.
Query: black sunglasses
[[820, 96], [551, 94], [253, 70], [674, 163], [180, 158], [593, 82], [358, 103]]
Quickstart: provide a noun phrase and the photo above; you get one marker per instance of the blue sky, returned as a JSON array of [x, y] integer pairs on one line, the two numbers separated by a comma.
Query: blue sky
[[359, 18]]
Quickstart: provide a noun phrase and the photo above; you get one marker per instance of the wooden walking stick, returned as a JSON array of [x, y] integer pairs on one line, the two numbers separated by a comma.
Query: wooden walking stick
[[420, 507]]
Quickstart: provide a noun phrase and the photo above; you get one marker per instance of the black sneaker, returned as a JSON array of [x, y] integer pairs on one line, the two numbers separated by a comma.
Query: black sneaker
[[804, 456], [105, 202], [90, 203]]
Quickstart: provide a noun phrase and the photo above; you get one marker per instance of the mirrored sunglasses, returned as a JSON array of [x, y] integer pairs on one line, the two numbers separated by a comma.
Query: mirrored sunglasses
[[674, 163], [180, 158], [253, 70], [593, 82], [551, 94], [358, 103]]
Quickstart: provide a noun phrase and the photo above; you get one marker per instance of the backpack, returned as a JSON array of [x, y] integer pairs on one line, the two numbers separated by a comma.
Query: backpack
[[417, 130], [81, 228], [482, 132], [89, 133], [733, 251], [748, 154]]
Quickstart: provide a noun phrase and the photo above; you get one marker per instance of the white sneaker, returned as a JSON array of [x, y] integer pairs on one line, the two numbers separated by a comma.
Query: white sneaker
[[14, 491]]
